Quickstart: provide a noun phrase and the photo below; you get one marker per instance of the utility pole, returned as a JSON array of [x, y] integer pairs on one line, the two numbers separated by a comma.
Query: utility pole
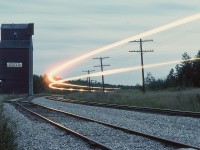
[[101, 62], [92, 83], [88, 78], [141, 53]]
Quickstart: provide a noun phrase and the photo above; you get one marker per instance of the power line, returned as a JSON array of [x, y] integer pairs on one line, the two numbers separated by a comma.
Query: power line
[[88, 78], [141, 53], [101, 65]]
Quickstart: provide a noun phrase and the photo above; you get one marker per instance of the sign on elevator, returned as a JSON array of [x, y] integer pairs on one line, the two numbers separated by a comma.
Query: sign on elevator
[[14, 64]]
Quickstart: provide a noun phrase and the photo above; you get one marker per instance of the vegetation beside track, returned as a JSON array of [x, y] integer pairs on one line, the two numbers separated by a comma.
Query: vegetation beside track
[[6, 133], [185, 99]]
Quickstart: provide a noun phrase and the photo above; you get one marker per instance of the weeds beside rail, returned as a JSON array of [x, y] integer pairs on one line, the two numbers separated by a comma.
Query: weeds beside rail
[[185, 100], [6, 133]]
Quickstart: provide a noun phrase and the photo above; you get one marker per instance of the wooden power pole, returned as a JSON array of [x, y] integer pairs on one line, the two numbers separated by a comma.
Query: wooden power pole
[[88, 79], [142, 64], [101, 65]]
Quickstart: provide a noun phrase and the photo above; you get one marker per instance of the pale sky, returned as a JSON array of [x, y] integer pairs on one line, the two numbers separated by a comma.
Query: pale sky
[[65, 29]]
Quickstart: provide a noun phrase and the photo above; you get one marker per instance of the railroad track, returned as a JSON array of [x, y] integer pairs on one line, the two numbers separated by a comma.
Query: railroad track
[[39, 112], [50, 115], [132, 108]]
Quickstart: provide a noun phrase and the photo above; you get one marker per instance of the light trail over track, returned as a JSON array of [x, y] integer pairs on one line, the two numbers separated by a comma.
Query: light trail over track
[[61, 68], [114, 71]]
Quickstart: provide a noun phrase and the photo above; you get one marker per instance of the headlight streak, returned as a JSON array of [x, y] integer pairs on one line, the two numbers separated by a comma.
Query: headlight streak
[[79, 86], [120, 70], [60, 68]]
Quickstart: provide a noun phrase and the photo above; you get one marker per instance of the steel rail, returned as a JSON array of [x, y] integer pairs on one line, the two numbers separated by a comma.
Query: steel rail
[[133, 108], [159, 139], [88, 140]]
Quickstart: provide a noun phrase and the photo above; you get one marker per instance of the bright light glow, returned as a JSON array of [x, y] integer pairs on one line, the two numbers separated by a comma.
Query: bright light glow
[[61, 68]]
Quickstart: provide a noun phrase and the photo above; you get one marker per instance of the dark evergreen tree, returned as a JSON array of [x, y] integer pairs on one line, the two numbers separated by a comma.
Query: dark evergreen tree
[[154, 84], [186, 74], [171, 79], [196, 71], [149, 79], [39, 84], [185, 71]]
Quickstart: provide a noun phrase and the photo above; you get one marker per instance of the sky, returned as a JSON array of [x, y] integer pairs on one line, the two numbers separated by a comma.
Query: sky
[[66, 29]]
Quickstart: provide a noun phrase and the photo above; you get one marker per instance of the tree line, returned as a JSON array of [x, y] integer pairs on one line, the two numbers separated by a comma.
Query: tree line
[[185, 74]]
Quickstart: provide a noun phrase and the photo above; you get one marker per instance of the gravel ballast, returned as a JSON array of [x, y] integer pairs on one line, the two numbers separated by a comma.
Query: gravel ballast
[[34, 135], [112, 138], [181, 129]]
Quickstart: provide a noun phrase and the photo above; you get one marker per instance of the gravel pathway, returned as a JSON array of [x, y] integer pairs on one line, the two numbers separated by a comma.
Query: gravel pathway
[[37, 135], [182, 129]]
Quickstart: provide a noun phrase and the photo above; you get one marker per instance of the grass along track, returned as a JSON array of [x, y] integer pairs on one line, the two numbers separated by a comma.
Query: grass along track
[[168, 112], [6, 133], [185, 100]]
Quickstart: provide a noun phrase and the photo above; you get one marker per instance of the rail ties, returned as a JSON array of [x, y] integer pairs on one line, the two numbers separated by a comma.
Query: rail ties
[[94, 143]]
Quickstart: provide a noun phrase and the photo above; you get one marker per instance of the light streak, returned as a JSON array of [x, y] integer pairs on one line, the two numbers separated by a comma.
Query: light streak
[[122, 70], [79, 86], [108, 47]]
